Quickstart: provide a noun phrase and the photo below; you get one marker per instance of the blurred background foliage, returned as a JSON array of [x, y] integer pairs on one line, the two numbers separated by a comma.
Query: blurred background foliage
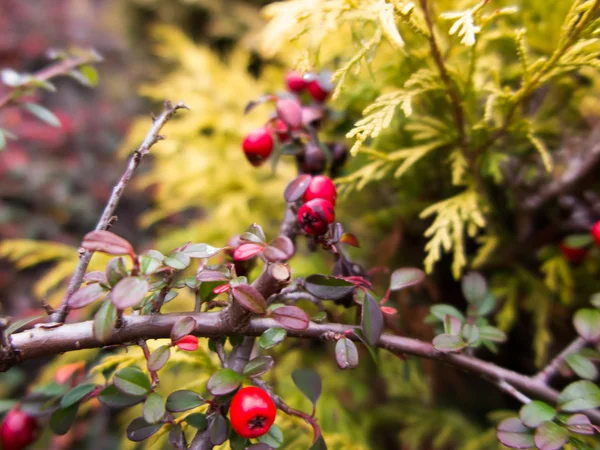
[[218, 55]]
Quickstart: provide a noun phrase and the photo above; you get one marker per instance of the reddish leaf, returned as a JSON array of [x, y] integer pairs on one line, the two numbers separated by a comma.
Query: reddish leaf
[[130, 291], [290, 111], [250, 298], [86, 295], [389, 311], [346, 354], [211, 275], [296, 188], [279, 249], [350, 239], [247, 251], [222, 288], [95, 277], [188, 343], [372, 320], [106, 242], [291, 317], [182, 327]]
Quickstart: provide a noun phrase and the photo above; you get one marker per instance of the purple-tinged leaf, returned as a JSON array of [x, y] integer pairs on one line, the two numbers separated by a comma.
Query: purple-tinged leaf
[[177, 438], [587, 324], [129, 292], [224, 381], [158, 358], [406, 277], [512, 433], [249, 298], [211, 275], [258, 366], [105, 321], [474, 287], [255, 230], [86, 295], [291, 318], [183, 400], [448, 343], [279, 249], [132, 381], [350, 239], [290, 111], [271, 337], [309, 383], [217, 429], [452, 325], [346, 354], [580, 424], [106, 242], [182, 327], [550, 436], [247, 251], [439, 311], [579, 396], [139, 430], [95, 276], [534, 413], [296, 188], [259, 446], [154, 408], [201, 251], [327, 287], [372, 320], [337, 231]]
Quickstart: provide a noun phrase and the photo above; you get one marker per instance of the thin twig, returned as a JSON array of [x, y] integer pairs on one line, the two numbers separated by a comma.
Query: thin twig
[[509, 389], [153, 375], [220, 348], [546, 374], [152, 137]]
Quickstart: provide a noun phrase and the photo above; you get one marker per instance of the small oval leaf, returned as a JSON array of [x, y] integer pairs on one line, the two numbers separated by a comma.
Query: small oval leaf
[[132, 381], [296, 188], [105, 321], [536, 412], [258, 366], [279, 249], [201, 251], [327, 287], [224, 381], [187, 343], [182, 327], [512, 433], [372, 320], [346, 354], [406, 277], [587, 324], [271, 337], [250, 298], [106, 242], [62, 419], [291, 318], [579, 396], [448, 343], [247, 251], [140, 430], [86, 295], [550, 436], [129, 292], [159, 358], [76, 394], [309, 383], [154, 408], [183, 400], [111, 396]]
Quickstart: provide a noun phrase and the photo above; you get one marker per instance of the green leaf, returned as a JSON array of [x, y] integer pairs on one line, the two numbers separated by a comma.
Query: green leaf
[[582, 366], [249, 298], [309, 383], [372, 320], [129, 292], [274, 437], [140, 430], [471, 333], [258, 366], [197, 420], [183, 400], [105, 321], [452, 325], [439, 311], [45, 115], [550, 436], [512, 433], [406, 277], [587, 324], [327, 287], [271, 337], [62, 419], [217, 430], [536, 412], [154, 408], [16, 326], [346, 354], [111, 396], [492, 334], [149, 265], [6, 405], [578, 240], [224, 381], [201, 250], [159, 358], [474, 287], [178, 260], [319, 444], [448, 343], [182, 327], [579, 396], [132, 381], [90, 73], [76, 394], [487, 305]]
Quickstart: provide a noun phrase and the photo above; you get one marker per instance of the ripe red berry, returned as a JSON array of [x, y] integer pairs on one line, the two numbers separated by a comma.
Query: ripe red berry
[[320, 187], [258, 145], [252, 412], [18, 430], [281, 130], [596, 232], [317, 91], [295, 81], [316, 215], [573, 254]]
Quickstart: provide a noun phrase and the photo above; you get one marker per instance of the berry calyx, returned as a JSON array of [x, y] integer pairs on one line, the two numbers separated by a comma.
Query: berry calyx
[[320, 187], [18, 430], [573, 254], [252, 412], [316, 215], [596, 232], [258, 145], [295, 81]]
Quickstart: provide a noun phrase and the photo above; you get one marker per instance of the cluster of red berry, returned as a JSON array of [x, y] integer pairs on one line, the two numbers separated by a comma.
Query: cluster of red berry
[[317, 211], [575, 248], [299, 113]]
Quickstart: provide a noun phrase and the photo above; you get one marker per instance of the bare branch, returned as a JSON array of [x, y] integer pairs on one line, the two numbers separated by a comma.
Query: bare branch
[[546, 374], [509, 389], [152, 137]]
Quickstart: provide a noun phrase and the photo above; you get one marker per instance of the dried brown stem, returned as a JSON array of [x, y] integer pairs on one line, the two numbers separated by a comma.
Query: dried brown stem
[[152, 137]]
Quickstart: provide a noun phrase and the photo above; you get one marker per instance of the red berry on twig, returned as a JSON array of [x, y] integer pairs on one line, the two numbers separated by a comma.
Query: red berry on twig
[[18, 430], [258, 146], [321, 187], [316, 215], [252, 412]]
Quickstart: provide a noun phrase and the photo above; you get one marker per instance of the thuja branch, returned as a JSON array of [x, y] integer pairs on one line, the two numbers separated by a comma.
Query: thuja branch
[[40, 342], [106, 219]]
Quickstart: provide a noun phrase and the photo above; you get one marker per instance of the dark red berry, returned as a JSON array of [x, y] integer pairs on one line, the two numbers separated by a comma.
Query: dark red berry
[[316, 215], [596, 232], [312, 160], [295, 81], [290, 111], [281, 130], [258, 145], [320, 187], [339, 153], [252, 412], [573, 254], [317, 91], [18, 430]]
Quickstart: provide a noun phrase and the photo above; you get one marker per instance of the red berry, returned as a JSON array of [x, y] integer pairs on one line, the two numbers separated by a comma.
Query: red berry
[[317, 91], [596, 232], [316, 215], [320, 187], [252, 412], [258, 146], [281, 130], [18, 430], [289, 111], [312, 160], [573, 254], [295, 81]]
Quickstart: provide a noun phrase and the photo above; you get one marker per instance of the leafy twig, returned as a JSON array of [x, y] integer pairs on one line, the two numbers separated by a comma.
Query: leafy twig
[[546, 374]]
